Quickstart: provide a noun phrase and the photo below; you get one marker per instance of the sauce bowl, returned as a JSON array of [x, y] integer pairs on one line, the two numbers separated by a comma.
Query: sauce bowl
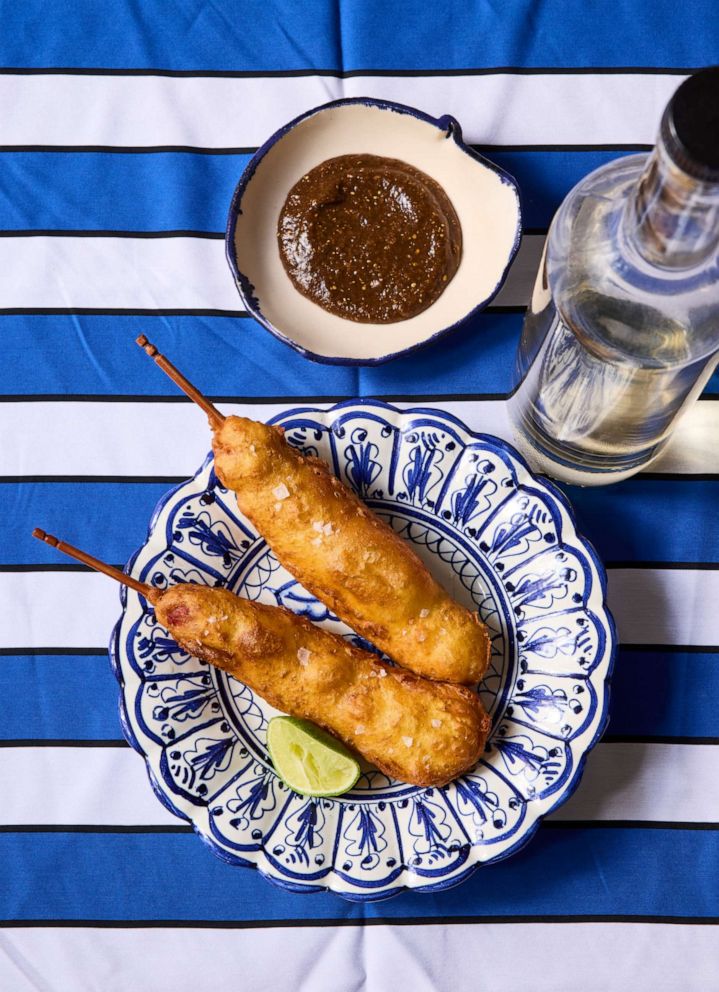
[[485, 198]]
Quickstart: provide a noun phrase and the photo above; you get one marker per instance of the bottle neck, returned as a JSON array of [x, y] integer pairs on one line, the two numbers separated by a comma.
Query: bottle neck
[[671, 218]]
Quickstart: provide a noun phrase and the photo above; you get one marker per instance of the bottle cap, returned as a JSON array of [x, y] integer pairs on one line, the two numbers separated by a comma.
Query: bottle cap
[[690, 126]]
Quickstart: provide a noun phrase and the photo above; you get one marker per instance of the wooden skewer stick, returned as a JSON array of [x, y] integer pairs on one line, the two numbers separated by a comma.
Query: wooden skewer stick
[[216, 418], [99, 566]]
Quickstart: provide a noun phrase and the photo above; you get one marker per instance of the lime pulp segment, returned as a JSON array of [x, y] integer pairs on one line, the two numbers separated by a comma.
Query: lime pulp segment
[[309, 760]]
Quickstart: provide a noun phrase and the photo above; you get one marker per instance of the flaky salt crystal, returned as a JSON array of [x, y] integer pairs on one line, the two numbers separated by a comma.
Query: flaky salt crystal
[[281, 491], [317, 541], [408, 741], [424, 613], [359, 729], [436, 723], [327, 529], [421, 637], [303, 655], [383, 673]]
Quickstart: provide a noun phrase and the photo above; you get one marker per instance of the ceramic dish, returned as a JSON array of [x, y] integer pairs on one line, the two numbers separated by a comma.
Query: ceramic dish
[[485, 198], [500, 540]]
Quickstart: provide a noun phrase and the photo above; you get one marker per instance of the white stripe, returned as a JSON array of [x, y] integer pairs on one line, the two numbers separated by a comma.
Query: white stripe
[[69, 438], [622, 108], [672, 782], [99, 438], [79, 609], [544, 957], [157, 274], [78, 785], [665, 606], [109, 273], [517, 290], [60, 609], [109, 786], [694, 446]]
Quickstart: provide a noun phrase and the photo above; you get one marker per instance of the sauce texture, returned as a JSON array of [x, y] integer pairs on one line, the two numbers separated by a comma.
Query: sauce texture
[[369, 238]]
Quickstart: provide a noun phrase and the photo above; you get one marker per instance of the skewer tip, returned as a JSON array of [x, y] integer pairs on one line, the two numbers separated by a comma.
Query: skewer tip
[[147, 346]]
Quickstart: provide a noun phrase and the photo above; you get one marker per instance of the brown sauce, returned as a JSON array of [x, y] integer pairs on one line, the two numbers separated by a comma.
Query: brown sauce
[[368, 238]]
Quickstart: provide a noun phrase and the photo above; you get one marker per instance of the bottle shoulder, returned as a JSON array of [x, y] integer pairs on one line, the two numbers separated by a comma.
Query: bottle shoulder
[[611, 181], [610, 294]]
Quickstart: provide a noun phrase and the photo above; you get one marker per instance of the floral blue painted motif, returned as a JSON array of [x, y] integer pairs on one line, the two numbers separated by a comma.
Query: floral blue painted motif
[[214, 539], [424, 455], [429, 828], [184, 699], [254, 799], [155, 647], [304, 833], [482, 804], [465, 502], [361, 465], [365, 835]]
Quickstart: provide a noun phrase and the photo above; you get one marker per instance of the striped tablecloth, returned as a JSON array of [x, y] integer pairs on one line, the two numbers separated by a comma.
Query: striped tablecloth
[[123, 130]]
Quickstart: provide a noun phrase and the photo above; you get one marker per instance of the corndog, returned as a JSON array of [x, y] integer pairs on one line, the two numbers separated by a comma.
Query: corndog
[[421, 732], [339, 550]]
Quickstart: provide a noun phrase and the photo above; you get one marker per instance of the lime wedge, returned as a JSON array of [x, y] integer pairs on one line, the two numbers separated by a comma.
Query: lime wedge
[[309, 760]]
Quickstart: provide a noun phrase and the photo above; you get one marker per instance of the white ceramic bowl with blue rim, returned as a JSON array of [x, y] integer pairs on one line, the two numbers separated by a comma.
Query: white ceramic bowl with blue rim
[[499, 539], [485, 198]]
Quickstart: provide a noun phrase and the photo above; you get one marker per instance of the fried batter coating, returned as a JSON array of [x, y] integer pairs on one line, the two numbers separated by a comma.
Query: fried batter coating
[[421, 732], [346, 556]]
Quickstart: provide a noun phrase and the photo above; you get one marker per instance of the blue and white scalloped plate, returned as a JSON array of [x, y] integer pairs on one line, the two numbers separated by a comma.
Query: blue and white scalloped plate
[[499, 539]]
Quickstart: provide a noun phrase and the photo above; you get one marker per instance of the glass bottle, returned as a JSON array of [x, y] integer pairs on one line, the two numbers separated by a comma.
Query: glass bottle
[[623, 328]]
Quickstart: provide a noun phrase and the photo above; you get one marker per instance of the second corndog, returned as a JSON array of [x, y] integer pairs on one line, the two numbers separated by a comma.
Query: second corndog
[[421, 732]]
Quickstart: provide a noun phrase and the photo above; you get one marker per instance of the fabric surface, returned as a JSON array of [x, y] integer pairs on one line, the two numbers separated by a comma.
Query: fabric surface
[[123, 131]]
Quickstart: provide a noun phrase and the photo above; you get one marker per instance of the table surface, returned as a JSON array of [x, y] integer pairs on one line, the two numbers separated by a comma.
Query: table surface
[[123, 130]]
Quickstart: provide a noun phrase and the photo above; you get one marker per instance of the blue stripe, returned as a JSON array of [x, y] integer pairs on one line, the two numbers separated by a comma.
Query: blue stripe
[[171, 877], [172, 191], [237, 357], [650, 520], [50, 697], [159, 192], [642, 526], [546, 177], [665, 694], [113, 522], [66, 697], [372, 34]]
